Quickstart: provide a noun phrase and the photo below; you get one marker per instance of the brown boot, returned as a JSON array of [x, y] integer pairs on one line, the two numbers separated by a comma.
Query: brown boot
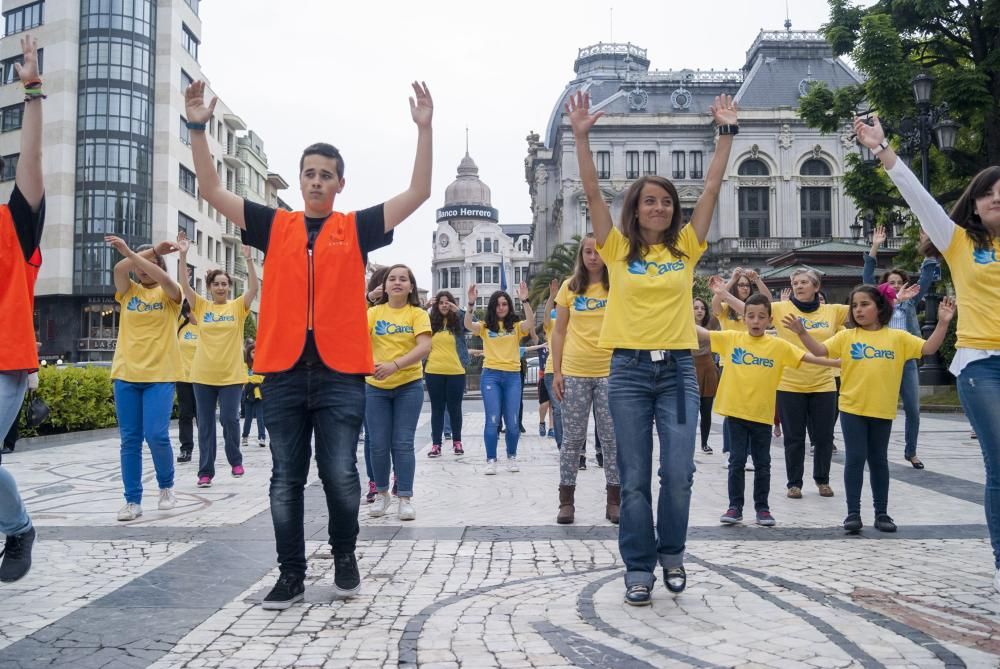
[[566, 508], [614, 503]]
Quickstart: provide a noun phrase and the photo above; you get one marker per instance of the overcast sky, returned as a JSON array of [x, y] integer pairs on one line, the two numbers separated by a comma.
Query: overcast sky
[[302, 71]]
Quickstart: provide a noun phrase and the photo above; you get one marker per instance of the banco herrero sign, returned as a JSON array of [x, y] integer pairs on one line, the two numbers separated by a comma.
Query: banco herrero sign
[[467, 211]]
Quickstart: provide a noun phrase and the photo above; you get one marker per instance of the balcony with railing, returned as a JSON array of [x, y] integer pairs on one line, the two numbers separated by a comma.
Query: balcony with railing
[[773, 245]]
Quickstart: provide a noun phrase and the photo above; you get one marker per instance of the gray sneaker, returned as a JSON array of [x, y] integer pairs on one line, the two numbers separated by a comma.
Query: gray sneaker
[[130, 512]]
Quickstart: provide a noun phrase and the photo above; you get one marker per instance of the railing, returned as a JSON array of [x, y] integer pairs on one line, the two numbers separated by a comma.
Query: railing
[[696, 76], [786, 243]]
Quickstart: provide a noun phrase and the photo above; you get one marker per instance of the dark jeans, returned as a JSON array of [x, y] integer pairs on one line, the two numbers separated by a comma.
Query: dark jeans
[[306, 401], [866, 440], [818, 412], [368, 452], [392, 416], [978, 388], [556, 407], [446, 392], [706, 418], [754, 439], [909, 392], [228, 399], [186, 414], [254, 408], [641, 391]]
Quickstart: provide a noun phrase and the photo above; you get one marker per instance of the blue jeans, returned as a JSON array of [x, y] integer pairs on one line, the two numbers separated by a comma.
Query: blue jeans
[[866, 439], [754, 439], [501, 397], [143, 411], [556, 407], [909, 391], [641, 391], [368, 451], [228, 399], [392, 418], [978, 389], [13, 516], [254, 408], [311, 399], [446, 392]]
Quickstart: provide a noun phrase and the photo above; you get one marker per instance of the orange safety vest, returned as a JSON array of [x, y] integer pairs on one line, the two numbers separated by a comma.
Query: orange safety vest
[[18, 351], [322, 289]]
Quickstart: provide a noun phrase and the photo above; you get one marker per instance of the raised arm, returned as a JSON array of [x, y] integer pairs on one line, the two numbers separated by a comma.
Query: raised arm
[[470, 324], [155, 272], [946, 311], [529, 315], [930, 272], [717, 298], [581, 120], [550, 303], [759, 282], [28, 176], [721, 291], [124, 267], [932, 216], [183, 246], [795, 325], [704, 338], [868, 274], [397, 209], [558, 339], [209, 186], [253, 283], [724, 114]]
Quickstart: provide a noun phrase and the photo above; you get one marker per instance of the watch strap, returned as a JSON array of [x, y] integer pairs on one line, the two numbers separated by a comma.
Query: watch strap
[[729, 129]]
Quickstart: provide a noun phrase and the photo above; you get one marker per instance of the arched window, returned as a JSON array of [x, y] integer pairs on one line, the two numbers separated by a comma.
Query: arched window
[[816, 208], [754, 202]]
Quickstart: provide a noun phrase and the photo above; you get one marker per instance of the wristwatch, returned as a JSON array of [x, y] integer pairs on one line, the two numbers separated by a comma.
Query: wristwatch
[[729, 129], [882, 146]]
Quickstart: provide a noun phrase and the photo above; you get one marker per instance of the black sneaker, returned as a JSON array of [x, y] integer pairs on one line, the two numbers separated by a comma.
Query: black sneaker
[[288, 590], [599, 456], [346, 579], [583, 462], [638, 595], [852, 523], [676, 579], [184, 456], [883, 523], [17, 556]]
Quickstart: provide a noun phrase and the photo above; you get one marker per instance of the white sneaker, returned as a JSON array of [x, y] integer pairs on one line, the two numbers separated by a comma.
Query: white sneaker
[[491, 467], [996, 581], [406, 510], [243, 442], [167, 499], [130, 512], [380, 505], [512, 464]]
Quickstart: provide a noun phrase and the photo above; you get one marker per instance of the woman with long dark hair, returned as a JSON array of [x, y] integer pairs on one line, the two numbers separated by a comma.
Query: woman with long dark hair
[[187, 338], [445, 370], [648, 323], [500, 382], [373, 296], [705, 369]]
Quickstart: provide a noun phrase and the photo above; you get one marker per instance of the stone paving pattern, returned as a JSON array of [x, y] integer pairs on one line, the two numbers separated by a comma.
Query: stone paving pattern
[[485, 578]]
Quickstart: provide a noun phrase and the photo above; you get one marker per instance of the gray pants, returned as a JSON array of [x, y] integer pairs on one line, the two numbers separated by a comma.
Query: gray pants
[[579, 394]]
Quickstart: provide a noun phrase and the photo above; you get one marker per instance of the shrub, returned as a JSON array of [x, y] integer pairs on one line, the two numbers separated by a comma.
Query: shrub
[[79, 398]]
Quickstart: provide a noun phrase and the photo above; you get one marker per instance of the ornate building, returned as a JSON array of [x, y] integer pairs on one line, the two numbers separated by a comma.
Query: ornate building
[[782, 187], [470, 245]]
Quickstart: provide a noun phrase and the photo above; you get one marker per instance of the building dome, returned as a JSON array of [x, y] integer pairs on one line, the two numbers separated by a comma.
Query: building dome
[[467, 188]]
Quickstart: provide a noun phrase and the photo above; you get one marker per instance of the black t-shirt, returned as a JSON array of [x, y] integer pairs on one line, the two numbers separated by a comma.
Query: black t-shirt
[[27, 223], [370, 225]]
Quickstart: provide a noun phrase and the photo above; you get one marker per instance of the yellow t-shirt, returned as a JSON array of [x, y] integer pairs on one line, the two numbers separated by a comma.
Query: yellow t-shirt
[[394, 333], [219, 358], [649, 305], [255, 380], [581, 356], [820, 324], [502, 349], [976, 275], [187, 338], [443, 358], [147, 350], [549, 361], [872, 364], [753, 372], [727, 323]]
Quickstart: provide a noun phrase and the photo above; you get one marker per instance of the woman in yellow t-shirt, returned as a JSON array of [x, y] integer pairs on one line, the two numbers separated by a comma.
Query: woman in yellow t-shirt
[[187, 338], [500, 383], [218, 371], [445, 370], [741, 285], [400, 332], [648, 323], [707, 372], [872, 357], [147, 363], [253, 400], [580, 381]]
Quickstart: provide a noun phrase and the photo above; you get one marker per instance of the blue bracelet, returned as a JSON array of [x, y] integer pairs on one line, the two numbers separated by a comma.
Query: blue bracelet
[[195, 126]]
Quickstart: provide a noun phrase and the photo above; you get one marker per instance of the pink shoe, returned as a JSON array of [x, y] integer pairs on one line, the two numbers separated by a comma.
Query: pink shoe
[[458, 448], [372, 491], [435, 451], [238, 471], [204, 481]]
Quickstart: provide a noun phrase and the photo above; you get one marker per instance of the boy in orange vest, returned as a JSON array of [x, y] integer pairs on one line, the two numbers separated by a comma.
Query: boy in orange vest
[[21, 221], [312, 340]]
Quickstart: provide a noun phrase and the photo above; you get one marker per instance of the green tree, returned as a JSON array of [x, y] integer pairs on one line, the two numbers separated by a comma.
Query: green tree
[[559, 265], [250, 327]]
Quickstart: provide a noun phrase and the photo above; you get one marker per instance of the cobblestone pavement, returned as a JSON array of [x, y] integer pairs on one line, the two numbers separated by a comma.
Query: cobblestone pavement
[[485, 578]]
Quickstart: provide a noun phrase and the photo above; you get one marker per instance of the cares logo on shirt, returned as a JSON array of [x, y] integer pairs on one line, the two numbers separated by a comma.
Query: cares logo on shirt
[[137, 305], [862, 351], [741, 356], [813, 325], [211, 317], [387, 328], [190, 336], [985, 257], [581, 303], [502, 333], [641, 267]]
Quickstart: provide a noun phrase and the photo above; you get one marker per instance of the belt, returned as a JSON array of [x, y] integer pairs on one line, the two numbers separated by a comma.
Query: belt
[[663, 355]]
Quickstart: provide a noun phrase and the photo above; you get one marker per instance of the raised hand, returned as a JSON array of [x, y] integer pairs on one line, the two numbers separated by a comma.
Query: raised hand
[[716, 284], [183, 244], [793, 323], [375, 294], [245, 250], [786, 294], [28, 72], [194, 104], [421, 108], [946, 310], [724, 110], [578, 109], [118, 244], [907, 292], [472, 293], [878, 236], [751, 275], [522, 291], [554, 288], [869, 135], [165, 248]]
